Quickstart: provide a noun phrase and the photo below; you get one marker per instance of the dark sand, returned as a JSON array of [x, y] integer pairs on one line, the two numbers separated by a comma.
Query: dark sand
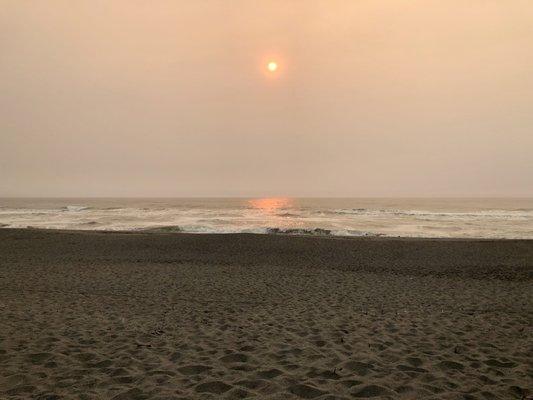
[[92, 315]]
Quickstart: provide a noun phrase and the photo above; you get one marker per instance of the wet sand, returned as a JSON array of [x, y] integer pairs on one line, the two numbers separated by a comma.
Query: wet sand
[[93, 315]]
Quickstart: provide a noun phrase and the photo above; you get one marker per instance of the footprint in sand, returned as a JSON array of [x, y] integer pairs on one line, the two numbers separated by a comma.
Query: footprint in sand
[[414, 361], [39, 358], [451, 365], [357, 367], [498, 364], [371, 391], [102, 364], [305, 391], [193, 369], [175, 356], [131, 394], [215, 387], [269, 374], [408, 368], [234, 358], [237, 393], [20, 390], [325, 374], [351, 383], [13, 380], [252, 384]]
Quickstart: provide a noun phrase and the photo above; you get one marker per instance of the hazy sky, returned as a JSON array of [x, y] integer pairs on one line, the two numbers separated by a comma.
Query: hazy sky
[[172, 98]]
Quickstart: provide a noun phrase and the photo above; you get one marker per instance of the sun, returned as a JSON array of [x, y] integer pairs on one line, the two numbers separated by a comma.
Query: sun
[[272, 66]]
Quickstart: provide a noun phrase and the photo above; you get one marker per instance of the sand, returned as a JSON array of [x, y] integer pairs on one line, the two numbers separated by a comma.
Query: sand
[[92, 315]]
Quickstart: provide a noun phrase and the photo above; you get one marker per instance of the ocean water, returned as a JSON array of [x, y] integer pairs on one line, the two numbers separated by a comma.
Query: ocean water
[[448, 218]]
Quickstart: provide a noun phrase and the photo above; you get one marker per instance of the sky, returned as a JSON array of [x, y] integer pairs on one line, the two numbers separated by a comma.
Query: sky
[[411, 98]]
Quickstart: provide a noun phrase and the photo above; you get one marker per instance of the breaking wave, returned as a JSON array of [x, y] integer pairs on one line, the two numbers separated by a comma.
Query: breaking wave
[[75, 208], [422, 213], [199, 229], [300, 231]]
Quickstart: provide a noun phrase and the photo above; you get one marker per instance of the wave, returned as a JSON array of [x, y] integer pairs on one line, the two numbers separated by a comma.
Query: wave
[[10, 212], [156, 229], [287, 214], [321, 232], [422, 213], [202, 229], [215, 221], [89, 223], [74, 208], [299, 231]]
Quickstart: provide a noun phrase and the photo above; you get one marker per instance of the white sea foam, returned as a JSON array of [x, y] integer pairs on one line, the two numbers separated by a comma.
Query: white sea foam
[[424, 213], [75, 208]]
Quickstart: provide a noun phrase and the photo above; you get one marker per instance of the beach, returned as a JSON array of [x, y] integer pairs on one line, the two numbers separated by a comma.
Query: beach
[[132, 315]]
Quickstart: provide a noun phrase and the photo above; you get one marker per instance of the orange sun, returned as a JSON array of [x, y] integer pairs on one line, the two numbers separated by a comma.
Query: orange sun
[[272, 66]]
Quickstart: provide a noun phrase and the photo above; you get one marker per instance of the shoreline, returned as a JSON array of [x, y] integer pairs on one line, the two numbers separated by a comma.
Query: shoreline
[[157, 231]]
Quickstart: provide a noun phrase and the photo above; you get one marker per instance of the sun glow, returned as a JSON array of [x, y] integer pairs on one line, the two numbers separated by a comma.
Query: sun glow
[[272, 66]]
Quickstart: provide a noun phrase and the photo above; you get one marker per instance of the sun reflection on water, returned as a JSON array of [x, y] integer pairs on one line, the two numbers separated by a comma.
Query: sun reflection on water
[[269, 205]]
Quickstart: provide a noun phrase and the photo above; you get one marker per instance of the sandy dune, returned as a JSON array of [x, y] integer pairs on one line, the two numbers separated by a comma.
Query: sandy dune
[[171, 316]]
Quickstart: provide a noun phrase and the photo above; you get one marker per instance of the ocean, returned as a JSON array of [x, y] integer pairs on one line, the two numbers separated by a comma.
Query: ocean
[[432, 218]]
